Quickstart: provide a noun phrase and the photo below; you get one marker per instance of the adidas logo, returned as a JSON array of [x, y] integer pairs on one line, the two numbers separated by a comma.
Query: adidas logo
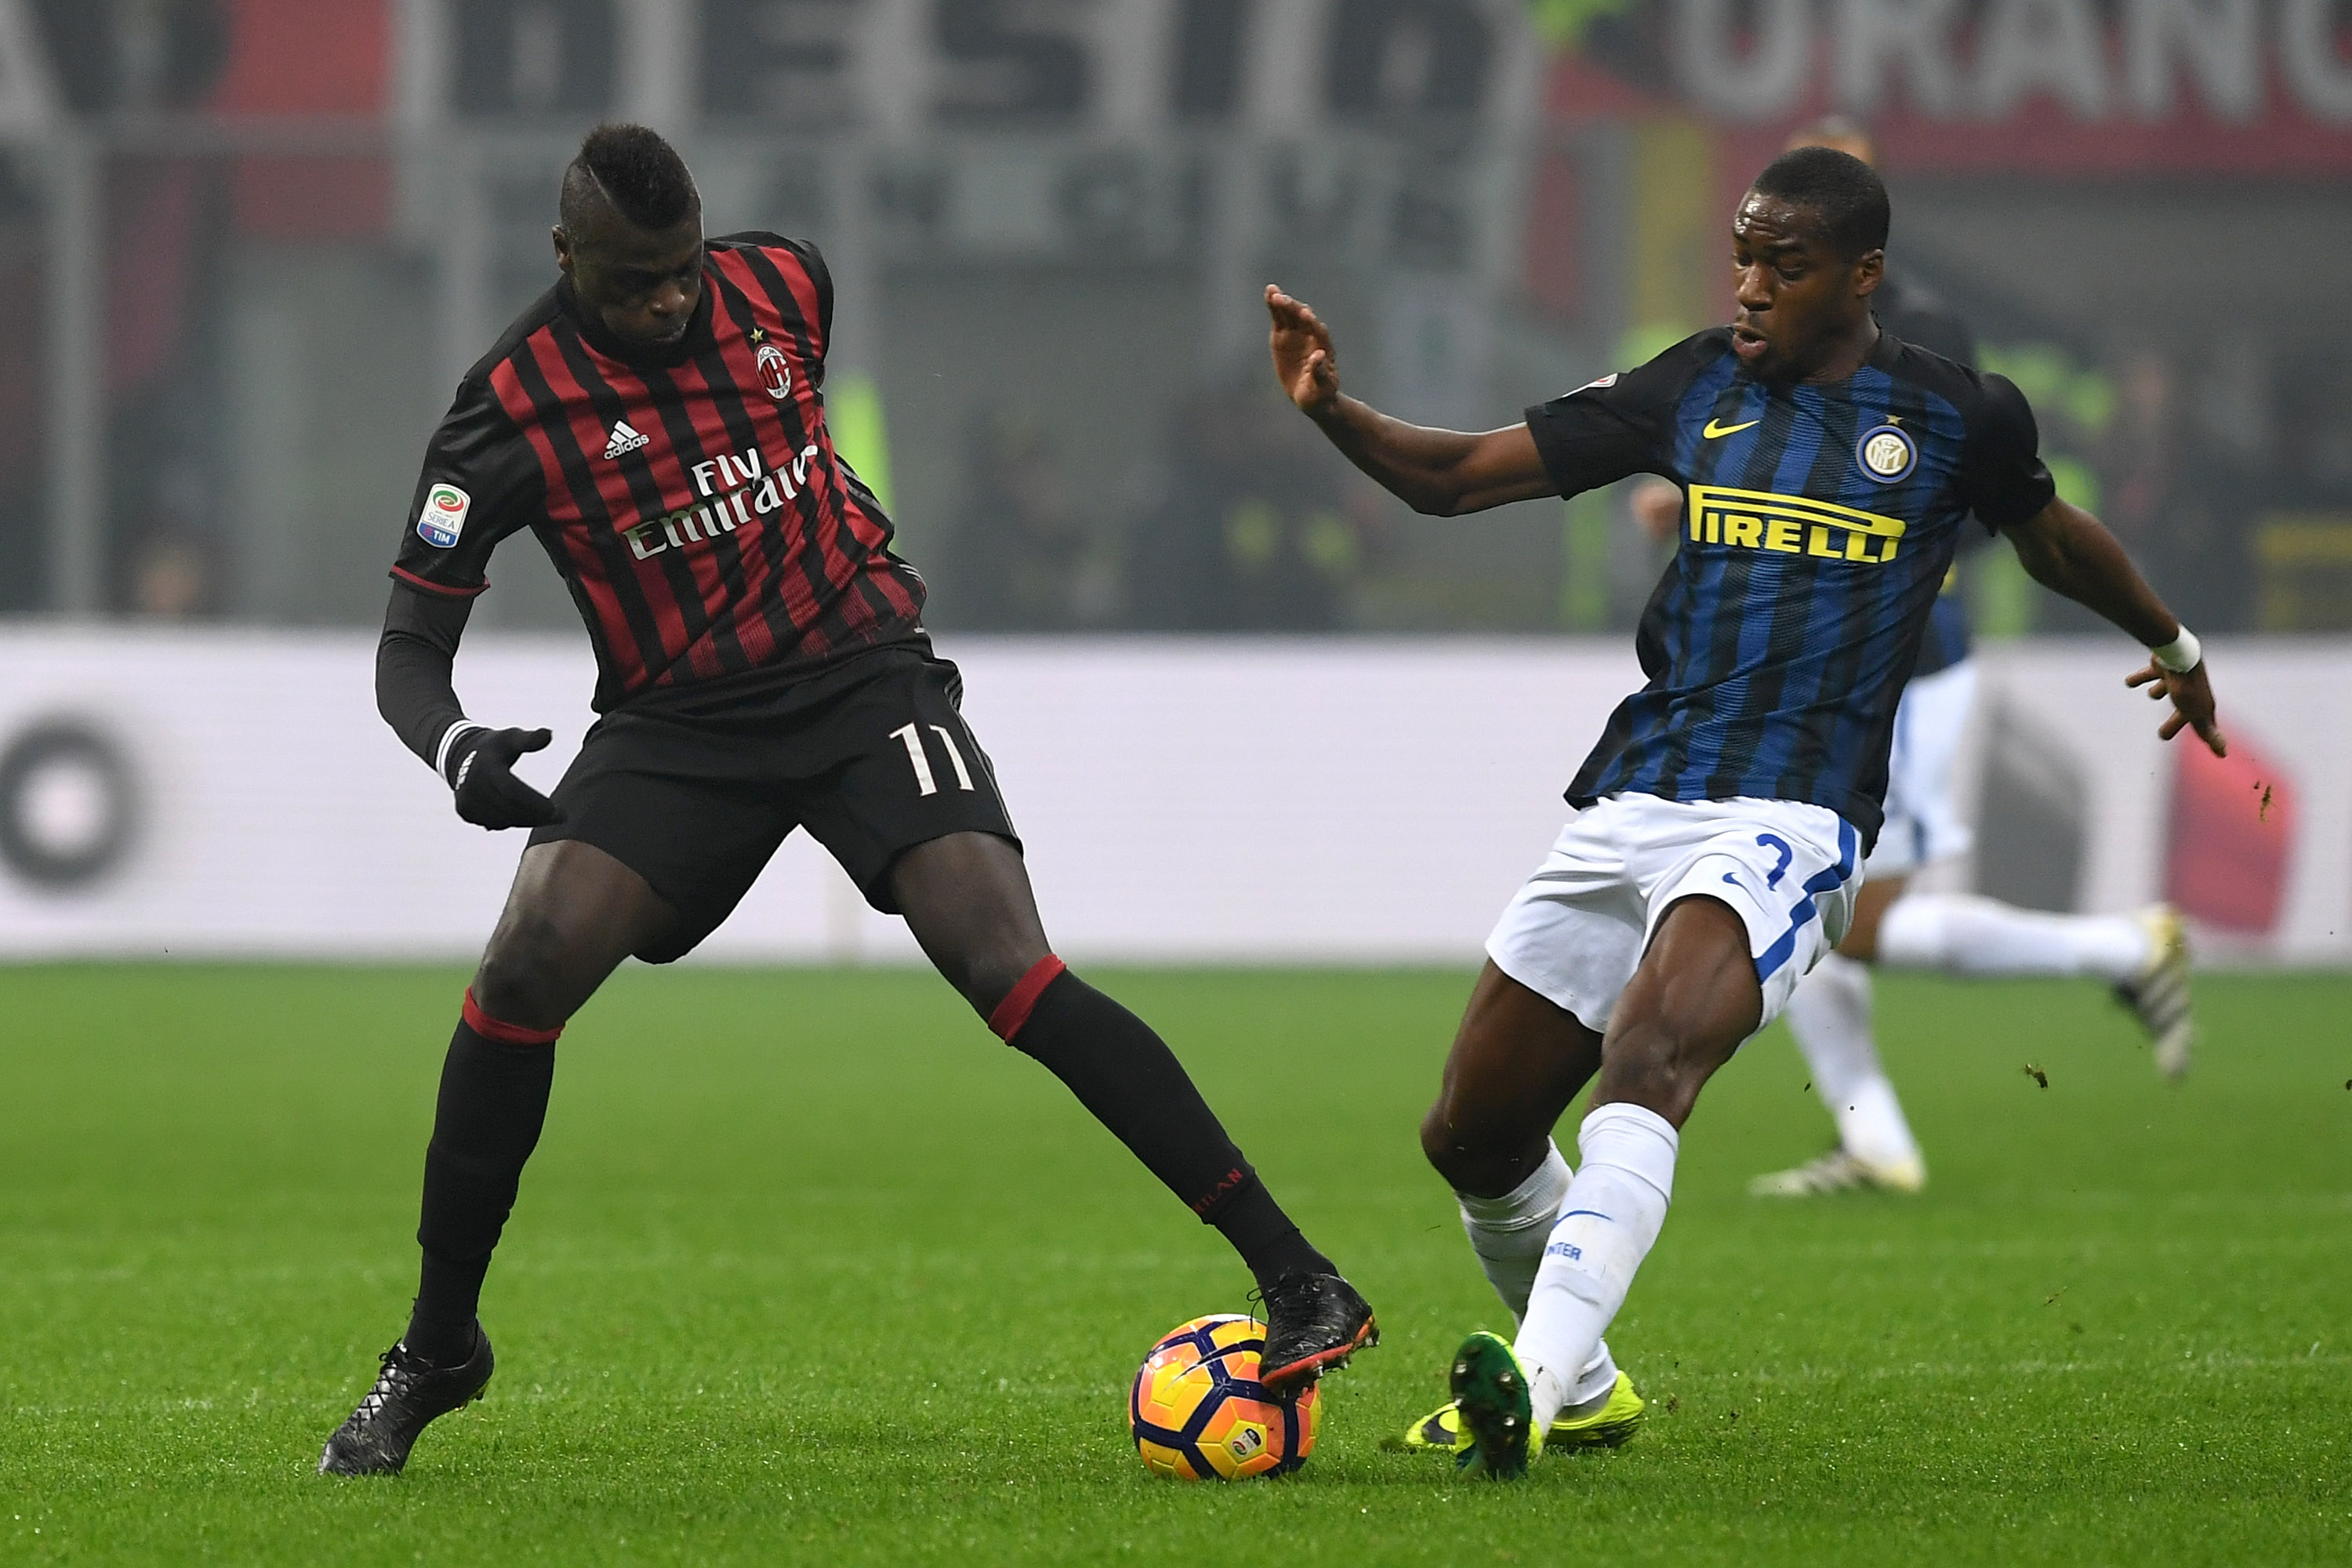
[[623, 440]]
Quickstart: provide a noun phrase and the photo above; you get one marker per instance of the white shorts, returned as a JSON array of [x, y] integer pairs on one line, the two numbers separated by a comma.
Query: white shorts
[[1922, 826], [1576, 930]]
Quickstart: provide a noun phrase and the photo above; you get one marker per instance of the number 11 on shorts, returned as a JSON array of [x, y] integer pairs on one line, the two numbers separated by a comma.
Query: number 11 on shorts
[[912, 738]]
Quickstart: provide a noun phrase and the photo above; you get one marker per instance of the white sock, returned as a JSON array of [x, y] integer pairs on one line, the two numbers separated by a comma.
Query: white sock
[[1830, 1015], [1608, 1223], [1965, 934], [1599, 1380], [1508, 1233]]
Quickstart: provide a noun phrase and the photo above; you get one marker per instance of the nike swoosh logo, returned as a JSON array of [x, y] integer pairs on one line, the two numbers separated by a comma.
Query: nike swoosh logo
[[1714, 430]]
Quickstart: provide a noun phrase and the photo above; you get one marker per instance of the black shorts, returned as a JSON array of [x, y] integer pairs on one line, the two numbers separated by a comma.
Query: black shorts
[[872, 756]]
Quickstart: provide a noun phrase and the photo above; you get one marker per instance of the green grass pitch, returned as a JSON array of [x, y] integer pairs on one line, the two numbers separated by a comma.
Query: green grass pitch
[[809, 1268]]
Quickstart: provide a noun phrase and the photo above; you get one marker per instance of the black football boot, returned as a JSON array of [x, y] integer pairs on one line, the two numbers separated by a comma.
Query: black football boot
[[409, 1394], [1313, 1322]]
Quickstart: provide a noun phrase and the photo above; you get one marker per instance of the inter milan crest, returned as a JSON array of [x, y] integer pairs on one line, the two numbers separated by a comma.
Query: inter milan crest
[[1886, 453], [776, 371]]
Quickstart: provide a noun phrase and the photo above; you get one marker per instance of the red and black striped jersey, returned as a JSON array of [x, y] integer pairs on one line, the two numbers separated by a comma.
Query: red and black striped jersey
[[690, 496]]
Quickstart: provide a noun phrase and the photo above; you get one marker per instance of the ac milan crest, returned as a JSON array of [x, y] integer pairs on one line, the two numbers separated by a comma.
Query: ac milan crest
[[776, 371]]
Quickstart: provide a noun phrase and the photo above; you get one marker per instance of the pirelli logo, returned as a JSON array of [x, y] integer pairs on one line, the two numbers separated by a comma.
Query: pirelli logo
[[1793, 525]]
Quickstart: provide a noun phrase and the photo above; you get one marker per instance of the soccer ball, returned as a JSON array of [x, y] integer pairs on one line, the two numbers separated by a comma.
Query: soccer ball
[[1199, 1414]]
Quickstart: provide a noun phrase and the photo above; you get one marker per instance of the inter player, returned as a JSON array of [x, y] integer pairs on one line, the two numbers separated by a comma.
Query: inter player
[[1723, 818], [655, 420], [2144, 955]]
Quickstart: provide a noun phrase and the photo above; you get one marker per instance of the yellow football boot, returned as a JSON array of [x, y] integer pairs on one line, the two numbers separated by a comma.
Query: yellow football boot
[[1617, 1419]]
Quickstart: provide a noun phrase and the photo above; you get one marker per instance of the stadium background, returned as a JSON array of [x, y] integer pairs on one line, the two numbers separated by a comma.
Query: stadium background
[[253, 243], [806, 1268]]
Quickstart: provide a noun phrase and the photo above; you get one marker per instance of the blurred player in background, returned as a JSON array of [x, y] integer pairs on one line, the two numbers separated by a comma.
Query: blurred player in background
[[655, 420], [2144, 956], [1722, 820]]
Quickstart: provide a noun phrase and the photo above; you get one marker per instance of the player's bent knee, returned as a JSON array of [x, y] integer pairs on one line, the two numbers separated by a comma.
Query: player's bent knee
[[986, 979], [1437, 1143], [514, 994], [1465, 1169], [528, 974], [1460, 1157]]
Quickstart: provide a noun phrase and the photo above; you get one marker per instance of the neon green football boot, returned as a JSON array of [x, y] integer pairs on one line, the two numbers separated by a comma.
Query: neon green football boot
[[1615, 1421], [1492, 1399]]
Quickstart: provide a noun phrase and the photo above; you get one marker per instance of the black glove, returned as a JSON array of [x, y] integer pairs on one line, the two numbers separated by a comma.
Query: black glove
[[482, 771]]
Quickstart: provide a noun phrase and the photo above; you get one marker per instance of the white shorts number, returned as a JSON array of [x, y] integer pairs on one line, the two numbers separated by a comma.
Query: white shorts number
[[911, 738]]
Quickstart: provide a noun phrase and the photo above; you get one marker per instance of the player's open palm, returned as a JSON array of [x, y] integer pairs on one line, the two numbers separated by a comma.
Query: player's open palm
[[481, 771], [1303, 357], [2192, 702]]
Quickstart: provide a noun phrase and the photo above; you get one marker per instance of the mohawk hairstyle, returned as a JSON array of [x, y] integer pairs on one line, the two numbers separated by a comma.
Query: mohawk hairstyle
[[641, 174], [1846, 191]]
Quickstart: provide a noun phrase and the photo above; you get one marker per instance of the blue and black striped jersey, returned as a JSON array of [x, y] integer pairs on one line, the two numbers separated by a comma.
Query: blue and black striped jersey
[[1819, 522], [1919, 318]]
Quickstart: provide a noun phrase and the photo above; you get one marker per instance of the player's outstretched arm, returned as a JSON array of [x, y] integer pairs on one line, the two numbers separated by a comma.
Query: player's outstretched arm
[[1439, 473], [2068, 551], [414, 662]]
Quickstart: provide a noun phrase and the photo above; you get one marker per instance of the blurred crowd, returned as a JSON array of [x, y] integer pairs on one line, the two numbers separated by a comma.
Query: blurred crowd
[[2225, 471], [2227, 475], [1245, 522]]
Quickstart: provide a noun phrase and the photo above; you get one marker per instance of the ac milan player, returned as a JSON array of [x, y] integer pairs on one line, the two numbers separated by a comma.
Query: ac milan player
[[655, 419]]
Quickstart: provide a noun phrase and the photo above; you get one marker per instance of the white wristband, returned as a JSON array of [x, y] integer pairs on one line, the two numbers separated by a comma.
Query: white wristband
[[441, 751], [2180, 655]]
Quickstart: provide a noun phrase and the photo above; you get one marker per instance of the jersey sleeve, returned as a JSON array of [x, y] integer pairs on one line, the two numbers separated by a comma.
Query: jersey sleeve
[[480, 483], [2001, 476], [1608, 429]]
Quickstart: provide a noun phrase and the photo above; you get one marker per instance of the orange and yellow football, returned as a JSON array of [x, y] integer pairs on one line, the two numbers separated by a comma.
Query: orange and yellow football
[[1198, 1412]]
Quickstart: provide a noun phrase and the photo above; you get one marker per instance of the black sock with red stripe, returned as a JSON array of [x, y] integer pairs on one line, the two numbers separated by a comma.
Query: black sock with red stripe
[[1125, 1074], [494, 1088]]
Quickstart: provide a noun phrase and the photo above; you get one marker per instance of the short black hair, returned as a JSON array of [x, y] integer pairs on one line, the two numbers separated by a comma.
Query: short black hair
[[1846, 191], [641, 174]]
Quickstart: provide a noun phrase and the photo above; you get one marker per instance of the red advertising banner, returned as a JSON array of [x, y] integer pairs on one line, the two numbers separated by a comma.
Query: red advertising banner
[[2039, 87], [308, 58], [305, 57]]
